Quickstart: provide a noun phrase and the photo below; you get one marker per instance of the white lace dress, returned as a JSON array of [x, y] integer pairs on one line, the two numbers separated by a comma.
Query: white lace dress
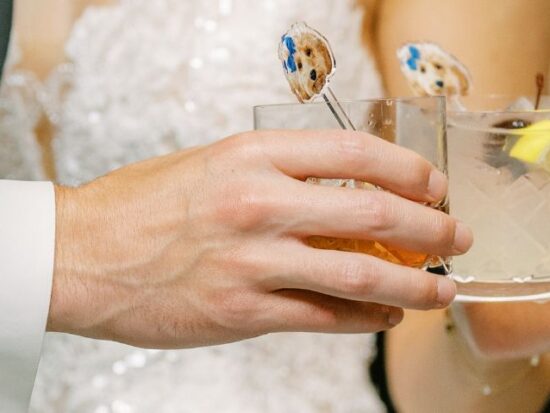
[[146, 77]]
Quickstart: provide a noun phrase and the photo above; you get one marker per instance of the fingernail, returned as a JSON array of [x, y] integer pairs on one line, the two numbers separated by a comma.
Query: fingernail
[[395, 316], [446, 291], [463, 238], [437, 186]]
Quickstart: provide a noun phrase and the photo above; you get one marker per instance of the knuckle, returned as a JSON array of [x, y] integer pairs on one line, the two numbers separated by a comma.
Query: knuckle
[[352, 148], [253, 211], [224, 146], [233, 309], [243, 145], [244, 208], [376, 209], [238, 140], [357, 280]]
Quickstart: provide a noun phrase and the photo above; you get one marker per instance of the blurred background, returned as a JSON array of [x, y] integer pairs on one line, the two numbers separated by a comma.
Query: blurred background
[[94, 85]]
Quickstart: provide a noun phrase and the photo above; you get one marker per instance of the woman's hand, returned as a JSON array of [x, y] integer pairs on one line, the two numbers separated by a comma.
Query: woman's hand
[[207, 246]]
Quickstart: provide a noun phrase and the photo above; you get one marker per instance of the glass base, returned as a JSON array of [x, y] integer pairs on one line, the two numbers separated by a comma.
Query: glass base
[[502, 290]]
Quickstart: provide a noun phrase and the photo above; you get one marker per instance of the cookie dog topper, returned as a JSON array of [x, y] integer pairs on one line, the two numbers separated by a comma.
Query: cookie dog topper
[[309, 64], [308, 61], [431, 71]]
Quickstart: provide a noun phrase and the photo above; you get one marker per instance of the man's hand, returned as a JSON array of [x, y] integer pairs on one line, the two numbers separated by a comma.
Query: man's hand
[[206, 246]]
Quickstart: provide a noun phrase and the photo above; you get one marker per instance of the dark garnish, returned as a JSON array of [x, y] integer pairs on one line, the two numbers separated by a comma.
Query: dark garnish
[[512, 124], [540, 87], [493, 145]]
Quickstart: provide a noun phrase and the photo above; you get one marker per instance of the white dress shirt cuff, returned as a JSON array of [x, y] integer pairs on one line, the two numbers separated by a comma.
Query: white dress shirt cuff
[[27, 247]]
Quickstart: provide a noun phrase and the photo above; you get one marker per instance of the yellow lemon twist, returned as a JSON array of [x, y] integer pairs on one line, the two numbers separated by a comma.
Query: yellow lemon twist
[[534, 144]]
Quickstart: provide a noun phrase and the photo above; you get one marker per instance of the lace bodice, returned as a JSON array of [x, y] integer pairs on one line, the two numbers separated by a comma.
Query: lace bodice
[[152, 76], [20, 112], [146, 77]]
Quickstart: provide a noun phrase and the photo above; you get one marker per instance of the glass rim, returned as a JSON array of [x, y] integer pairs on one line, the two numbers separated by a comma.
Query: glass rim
[[496, 131], [494, 97], [352, 101], [459, 118]]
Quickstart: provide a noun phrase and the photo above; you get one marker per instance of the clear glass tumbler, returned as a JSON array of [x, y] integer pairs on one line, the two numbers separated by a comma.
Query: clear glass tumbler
[[416, 123], [499, 167]]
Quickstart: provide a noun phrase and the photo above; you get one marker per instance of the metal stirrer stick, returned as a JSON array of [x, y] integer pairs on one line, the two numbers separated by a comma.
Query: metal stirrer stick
[[333, 110], [332, 104]]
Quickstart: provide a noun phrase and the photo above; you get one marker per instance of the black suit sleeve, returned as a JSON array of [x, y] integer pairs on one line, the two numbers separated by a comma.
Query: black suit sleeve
[[6, 13]]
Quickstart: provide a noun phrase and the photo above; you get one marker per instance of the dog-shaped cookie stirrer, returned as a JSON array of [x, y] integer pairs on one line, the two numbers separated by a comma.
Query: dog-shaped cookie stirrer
[[431, 71], [309, 63]]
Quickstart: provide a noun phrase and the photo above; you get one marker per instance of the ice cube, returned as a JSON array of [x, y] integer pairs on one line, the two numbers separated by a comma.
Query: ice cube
[[521, 104]]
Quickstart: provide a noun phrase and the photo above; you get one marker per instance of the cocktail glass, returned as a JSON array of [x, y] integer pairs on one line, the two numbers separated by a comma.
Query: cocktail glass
[[415, 123], [499, 167]]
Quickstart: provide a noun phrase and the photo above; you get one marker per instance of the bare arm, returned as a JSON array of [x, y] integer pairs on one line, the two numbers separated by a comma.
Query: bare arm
[[432, 369], [504, 43], [500, 63], [504, 46], [486, 47]]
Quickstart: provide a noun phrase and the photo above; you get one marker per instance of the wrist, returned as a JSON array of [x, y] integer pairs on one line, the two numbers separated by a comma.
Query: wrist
[[94, 254], [64, 295], [78, 301]]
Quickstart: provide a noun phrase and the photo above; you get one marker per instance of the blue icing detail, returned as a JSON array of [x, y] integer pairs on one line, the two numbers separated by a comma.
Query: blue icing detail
[[284, 67], [290, 45], [415, 55], [291, 64], [412, 64]]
